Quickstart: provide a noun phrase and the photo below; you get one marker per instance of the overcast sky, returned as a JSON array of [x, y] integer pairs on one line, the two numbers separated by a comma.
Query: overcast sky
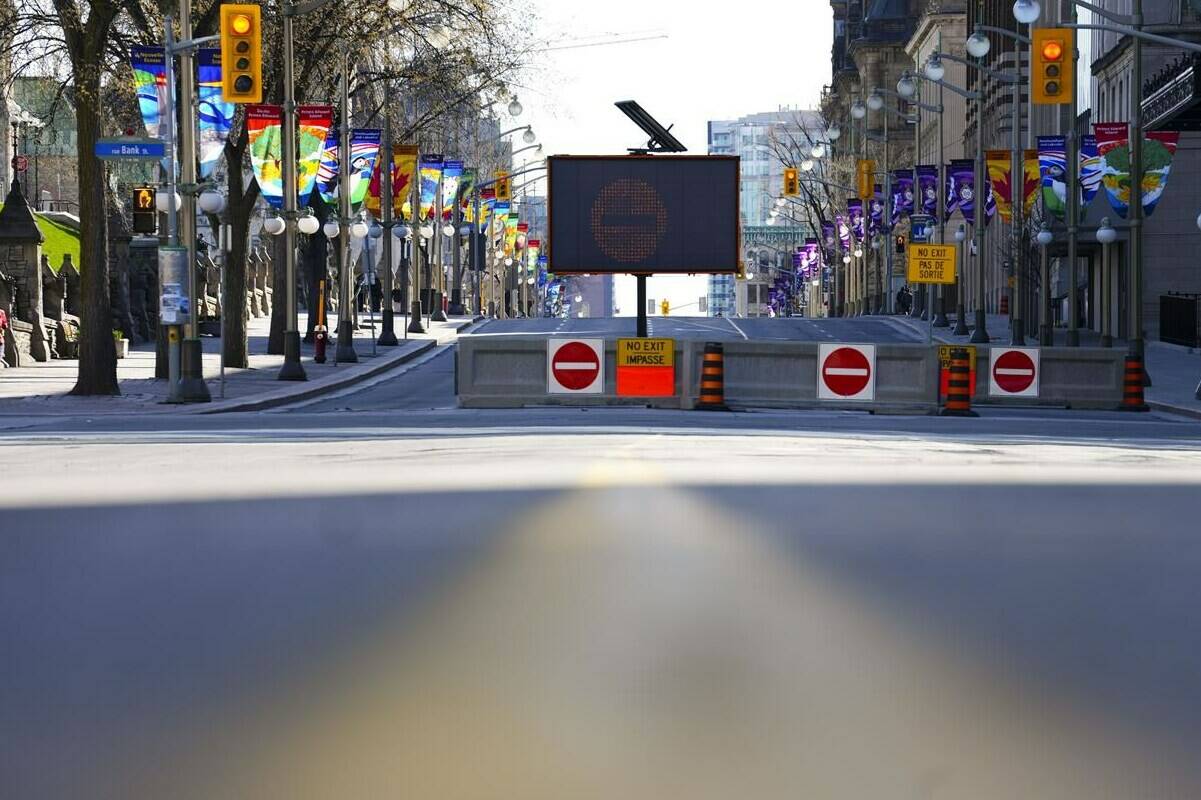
[[719, 61]]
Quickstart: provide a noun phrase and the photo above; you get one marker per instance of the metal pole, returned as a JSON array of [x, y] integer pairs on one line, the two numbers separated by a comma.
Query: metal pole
[[940, 318], [641, 333], [477, 250], [1017, 183], [387, 337], [1073, 203], [291, 369], [173, 345], [1136, 194], [1044, 300], [439, 281], [345, 348], [980, 334], [456, 288], [1106, 290], [192, 387], [886, 268], [415, 325]]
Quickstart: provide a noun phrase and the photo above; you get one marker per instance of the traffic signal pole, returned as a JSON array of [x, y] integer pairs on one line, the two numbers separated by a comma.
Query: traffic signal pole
[[173, 345], [292, 370]]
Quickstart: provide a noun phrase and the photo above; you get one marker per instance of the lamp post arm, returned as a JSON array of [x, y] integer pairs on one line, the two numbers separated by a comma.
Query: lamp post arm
[[511, 175], [1112, 16], [1004, 77], [830, 184], [511, 130], [1008, 34], [1149, 37], [961, 92]]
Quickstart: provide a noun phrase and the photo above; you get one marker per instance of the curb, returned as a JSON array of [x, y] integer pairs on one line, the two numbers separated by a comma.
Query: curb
[[316, 390], [1168, 408]]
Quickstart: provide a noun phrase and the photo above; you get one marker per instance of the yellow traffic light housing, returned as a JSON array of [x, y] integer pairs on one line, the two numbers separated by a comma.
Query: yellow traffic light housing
[[1053, 70], [145, 215], [865, 179], [664, 307], [241, 53], [792, 182]]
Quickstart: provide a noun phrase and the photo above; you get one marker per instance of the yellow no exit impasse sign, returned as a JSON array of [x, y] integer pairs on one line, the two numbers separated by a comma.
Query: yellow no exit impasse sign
[[646, 367], [932, 263]]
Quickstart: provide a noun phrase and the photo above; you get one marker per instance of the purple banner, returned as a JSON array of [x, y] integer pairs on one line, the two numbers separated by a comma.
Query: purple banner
[[961, 189], [811, 258], [927, 179], [843, 226], [855, 211], [902, 194], [876, 215]]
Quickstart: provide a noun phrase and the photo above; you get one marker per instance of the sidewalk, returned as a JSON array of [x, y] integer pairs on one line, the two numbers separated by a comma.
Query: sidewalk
[[1175, 371], [42, 389]]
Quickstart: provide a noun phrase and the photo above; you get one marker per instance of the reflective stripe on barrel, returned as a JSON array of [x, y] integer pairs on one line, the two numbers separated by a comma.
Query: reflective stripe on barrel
[[959, 389], [1132, 386]]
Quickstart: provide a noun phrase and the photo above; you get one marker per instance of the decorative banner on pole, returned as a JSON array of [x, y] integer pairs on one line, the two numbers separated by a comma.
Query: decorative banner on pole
[[876, 211], [511, 220], [149, 64], [1052, 167], [902, 194], [466, 188], [328, 170], [364, 150], [431, 176], [844, 230], [811, 258], [961, 189], [1113, 141], [1091, 167], [999, 173], [1033, 181], [828, 237], [487, 203], [452, 173], [927, 185], [264, 130], [315, 123], [404, 165], [214, 116], [855, 211], [1159, 148]]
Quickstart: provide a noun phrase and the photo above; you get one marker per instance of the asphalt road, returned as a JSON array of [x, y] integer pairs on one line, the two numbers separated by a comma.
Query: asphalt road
[[380, 595], [865, 329]]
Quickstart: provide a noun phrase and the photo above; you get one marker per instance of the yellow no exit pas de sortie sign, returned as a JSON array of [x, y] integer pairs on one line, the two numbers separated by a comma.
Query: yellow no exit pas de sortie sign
[[932, 263]]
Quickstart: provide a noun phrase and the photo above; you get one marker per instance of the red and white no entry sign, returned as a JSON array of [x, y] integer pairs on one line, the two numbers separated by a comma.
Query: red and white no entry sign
[[846, 372], [1013, 372], [575, 366]]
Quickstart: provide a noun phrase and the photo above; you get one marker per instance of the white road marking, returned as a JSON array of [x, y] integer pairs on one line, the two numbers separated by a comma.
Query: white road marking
[[735, 327]]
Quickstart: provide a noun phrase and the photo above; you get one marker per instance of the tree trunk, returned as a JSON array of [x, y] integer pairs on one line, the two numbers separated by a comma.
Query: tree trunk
[[97, 351]]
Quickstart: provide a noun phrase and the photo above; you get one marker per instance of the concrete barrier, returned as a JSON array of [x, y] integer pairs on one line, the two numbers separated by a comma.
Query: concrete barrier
[[1071, 377], [510, 371]]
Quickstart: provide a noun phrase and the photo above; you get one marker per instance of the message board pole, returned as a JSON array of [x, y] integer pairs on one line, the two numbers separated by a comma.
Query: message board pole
[[641, 332]]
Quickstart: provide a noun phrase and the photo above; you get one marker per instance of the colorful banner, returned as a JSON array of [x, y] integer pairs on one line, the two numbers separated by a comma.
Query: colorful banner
[[843, 225], [364, 150], [927, 184], [902, 194], [328, 170], [1033, 181], [961, 185], [452, 173], [149, 64], [999, 173], [855, 211], [404, 165], [466, 187], [315, 123], [876, 210], [214, 116], [811, 258], [264, 130], [1159, 148], [431, 176], [829, 232], [511, 220], [487, 203], [1091, 168], [1052, 168]]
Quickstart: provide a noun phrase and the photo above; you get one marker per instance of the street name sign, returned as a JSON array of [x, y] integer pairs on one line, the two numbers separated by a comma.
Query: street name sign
[[1014, 372], [130, 147], [932, 263], [846, 372], [646, 367], [575, 366]]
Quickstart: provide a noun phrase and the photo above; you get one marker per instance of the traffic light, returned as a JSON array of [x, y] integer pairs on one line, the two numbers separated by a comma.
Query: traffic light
[[504, 187], [900, 242], [865, 179], [145, 216], [664, 307], [1053, 73], [241, 54], [792, 183]]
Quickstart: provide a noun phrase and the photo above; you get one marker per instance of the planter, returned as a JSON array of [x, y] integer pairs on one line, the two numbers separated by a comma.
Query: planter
[[122, 347]]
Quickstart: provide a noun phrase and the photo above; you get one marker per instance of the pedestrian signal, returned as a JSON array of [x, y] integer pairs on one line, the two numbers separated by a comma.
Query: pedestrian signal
[[145, 216], [1052, 78], [900, 243], [792, 182], [241, 54]]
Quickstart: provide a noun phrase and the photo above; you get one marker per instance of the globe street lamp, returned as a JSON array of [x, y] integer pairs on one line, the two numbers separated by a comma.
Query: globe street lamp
[[515, 107], [1027, 12], [307, 223], [934, 69]]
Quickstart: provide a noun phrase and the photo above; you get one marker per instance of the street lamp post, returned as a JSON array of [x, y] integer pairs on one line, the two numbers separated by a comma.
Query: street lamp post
[[1106, 235], [1045, 337]]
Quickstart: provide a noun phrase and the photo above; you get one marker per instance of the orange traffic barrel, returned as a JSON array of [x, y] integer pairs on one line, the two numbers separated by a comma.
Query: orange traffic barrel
[[959, 389], [1132, 386], [713, 392]]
